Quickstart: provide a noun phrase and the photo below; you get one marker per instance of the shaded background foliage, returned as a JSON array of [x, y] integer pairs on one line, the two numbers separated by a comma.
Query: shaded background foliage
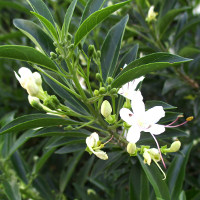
[[71, 174]]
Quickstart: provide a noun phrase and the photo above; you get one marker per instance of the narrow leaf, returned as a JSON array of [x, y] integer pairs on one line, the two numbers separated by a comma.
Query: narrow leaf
[[49, 27], [27, 54], [40, 7], [67, 20], [111, 47], [94, 19], [36, 34], [35, 121]]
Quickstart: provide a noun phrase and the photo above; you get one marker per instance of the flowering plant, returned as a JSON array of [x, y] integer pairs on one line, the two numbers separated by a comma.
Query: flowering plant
[[95, 102]]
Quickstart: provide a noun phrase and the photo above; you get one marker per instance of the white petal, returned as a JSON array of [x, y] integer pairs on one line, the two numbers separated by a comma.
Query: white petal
[[17, 77], [154, 114], [101, 154], [95, 136], [137, 104], [126, 115], [133, 134], [24, 72], [124, 66], [156, 129]]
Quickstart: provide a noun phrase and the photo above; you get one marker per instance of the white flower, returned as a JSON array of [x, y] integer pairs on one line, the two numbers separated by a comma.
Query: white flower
[[29, 81], [92, 143], [128, 90], [151, 154], [151, 16], [141, 120]]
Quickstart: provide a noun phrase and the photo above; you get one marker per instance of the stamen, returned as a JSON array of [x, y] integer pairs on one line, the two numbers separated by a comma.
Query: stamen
[[187, 120], [108, 140], [159, 150], [175, 120], [160, 170]]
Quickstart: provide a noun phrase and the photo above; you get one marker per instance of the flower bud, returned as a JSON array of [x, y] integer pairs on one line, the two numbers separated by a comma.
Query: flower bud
[[99, 77], [102, 90], [53, 55], [154, 153], [52, 102], [98, 54], [35, 102], [151, 16], [96, 92], [106, 109], [32, 88], [109, 80], [175, 146], [113, 91], [131, 148], [91, 50], [37, 78], [147, 157]]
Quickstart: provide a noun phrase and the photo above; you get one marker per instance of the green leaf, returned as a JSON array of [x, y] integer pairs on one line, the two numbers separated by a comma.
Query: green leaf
[[67, 20], [13, 5], [111, 47], [73, 147], [35, 121], [147, 64], [40, 7], [11, 190], [27, 54], [36, 34], [166, 20], [189, 51], [91, 7], [42, 160], [155, 178], [67, 174], [188, 26], [48, 25], [151, 104], [176, 174], [94, 19]]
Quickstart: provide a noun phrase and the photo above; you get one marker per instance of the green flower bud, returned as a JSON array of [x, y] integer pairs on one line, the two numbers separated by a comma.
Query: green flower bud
[[109, 80], [53, 55], [126, 125], [35, 102], [111, 119], [96, 92], [52, 102], [102, 90], [60, 58], [106, 109], [98, 54], [91, 50], [109, 88], [55, 44], [113, 91], [57, 51], [175, 146], [99, 77], [131, 148], [68, 128]]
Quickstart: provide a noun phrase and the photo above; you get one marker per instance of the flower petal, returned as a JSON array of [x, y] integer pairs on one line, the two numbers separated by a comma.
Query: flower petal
[[133, 134], [126, 115], [156, 129], [101, 154], [154, 114], [137, 104]]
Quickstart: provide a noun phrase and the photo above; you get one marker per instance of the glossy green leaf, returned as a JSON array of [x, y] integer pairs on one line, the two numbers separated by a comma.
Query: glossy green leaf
[[176, 174], [147, 64], [91, 7], [35, 121], [67, 19], [20, 141], [48, 25], [19, 166], [94, 19], [27, 54], [188, 26], [166, 20], [72, 147], [42, 160], [40, 7], [155, 178], [111, 47], [11, 190], [189, 51], [36, 34], [151, 104], [67, 174]]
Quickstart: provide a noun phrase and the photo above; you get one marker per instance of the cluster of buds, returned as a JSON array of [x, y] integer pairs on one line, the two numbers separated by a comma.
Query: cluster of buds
[[32, 83]]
